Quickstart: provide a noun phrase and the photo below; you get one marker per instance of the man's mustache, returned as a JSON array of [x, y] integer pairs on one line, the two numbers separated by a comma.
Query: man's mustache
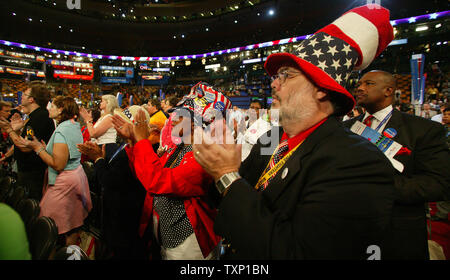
[[275, 95]]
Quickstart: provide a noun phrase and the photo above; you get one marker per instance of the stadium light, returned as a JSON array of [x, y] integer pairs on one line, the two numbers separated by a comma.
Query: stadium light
[[421, 28], [395, 22]]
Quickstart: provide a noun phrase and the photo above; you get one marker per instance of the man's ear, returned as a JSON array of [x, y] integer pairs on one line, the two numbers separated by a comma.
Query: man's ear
[[34, 101], [389, 91], [322, 95]]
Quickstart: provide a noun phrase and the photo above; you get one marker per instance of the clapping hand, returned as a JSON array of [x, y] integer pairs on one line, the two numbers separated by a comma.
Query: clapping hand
[[5, 125], [123, 128], [16, 122], [34, 144], [92, 150], [141, 129], [87, 116], [217, 158]]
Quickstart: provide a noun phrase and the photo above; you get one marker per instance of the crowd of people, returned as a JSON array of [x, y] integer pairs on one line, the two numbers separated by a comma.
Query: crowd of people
[[318, 175]]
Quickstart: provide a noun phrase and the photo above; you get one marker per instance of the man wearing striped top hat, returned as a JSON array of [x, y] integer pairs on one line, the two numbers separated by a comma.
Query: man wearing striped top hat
[[315, 196]]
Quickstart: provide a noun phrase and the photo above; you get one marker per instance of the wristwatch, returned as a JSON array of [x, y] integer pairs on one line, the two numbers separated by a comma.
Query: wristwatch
[[226, 180]]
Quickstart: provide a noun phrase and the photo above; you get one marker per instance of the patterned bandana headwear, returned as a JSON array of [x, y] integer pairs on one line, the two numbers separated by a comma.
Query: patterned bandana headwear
[[205, 102]]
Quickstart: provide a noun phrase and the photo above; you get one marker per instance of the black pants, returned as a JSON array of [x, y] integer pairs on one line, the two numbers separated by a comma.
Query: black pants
[[110, 150], [33, 182]]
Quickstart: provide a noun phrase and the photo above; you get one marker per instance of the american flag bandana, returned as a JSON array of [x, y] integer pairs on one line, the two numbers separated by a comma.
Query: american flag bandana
[[206, 102]]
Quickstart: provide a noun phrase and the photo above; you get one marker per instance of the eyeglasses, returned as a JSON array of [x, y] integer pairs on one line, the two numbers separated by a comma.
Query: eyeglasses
[[283, 75]]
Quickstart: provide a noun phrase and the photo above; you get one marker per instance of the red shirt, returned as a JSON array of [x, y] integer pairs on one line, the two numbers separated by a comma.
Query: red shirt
[[86, 137], [294, 141]]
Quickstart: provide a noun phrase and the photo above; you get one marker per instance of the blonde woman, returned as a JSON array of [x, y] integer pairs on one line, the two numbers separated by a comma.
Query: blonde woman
[[103, 132]]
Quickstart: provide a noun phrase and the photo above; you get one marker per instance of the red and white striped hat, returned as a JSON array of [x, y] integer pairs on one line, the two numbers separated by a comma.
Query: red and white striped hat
[[350, 43]]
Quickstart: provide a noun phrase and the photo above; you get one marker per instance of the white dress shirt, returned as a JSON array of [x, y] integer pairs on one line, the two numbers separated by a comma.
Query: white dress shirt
[[378, 117]]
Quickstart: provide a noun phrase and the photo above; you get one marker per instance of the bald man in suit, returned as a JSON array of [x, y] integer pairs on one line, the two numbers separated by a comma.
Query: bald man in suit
[[425, 177]]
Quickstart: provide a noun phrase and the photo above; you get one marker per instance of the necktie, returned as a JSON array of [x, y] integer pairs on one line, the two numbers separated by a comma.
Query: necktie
[[281, 151], [368, 121]]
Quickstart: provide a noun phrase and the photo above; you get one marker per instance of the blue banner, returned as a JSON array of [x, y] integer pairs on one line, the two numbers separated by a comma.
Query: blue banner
[[19, 97], [114, 80], [417, 78]]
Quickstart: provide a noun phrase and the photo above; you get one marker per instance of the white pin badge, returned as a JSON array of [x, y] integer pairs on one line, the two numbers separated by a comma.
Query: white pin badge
[[284, 174]]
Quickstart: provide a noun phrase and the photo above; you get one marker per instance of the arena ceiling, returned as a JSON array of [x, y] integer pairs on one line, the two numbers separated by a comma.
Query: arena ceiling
[[176, 27]]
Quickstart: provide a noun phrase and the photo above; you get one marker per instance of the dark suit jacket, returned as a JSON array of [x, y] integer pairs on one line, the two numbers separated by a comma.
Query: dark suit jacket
[[333, 203], [123, 198], [425, 178]]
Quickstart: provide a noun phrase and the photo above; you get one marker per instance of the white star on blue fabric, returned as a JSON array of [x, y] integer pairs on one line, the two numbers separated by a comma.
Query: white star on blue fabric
[[346, 49], [328, 38], [313, 42], [322, 65], [348, 62], [317, 53], [332, 50], [336, 64]]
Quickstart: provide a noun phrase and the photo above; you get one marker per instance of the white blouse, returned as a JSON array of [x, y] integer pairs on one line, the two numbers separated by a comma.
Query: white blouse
[[109, 136]]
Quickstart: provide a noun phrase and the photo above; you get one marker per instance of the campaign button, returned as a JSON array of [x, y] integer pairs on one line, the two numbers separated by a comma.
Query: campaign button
[[284, 174], [390, 132]]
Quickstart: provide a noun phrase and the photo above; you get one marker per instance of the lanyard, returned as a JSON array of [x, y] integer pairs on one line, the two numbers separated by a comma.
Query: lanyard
[[384, 120], [267, 174], [117, 152]]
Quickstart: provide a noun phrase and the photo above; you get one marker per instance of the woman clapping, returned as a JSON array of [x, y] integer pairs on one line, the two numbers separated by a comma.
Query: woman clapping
[[66, 196]]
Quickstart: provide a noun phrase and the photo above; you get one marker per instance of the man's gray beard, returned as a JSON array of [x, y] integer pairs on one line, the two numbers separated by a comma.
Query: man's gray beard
[[296, 111]]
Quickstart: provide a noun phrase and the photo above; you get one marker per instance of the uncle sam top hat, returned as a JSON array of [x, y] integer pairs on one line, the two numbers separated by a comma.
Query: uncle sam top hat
[[329, 56]]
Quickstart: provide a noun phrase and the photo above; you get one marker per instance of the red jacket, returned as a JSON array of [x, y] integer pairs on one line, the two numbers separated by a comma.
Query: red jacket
[[188, 180], [86, 137]]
